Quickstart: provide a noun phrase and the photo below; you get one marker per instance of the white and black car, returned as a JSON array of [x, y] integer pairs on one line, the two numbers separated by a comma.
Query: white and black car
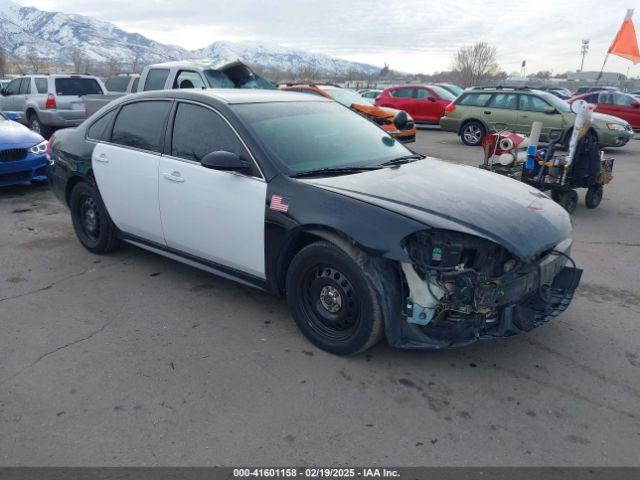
[[299, 196]]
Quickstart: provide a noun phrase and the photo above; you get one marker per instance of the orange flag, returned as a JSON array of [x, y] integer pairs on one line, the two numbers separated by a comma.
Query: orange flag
[[626, 43]]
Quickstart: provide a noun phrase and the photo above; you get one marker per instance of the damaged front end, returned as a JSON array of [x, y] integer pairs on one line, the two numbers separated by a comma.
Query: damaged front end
[[462, 288]]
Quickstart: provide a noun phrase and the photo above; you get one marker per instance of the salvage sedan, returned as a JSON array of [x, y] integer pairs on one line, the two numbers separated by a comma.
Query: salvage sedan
[[302, 197]]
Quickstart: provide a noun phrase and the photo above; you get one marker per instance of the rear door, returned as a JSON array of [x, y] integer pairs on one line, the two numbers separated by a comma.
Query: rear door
[[126, 168], [211, 214], [402, 99], [501, 111], [70, 90]]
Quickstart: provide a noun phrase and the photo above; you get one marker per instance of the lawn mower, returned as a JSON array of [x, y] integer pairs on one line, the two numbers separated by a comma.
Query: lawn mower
[[584, 166]]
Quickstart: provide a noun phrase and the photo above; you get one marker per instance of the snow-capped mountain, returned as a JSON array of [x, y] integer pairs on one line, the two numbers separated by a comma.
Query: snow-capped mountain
[[54, 36], [276, 56]]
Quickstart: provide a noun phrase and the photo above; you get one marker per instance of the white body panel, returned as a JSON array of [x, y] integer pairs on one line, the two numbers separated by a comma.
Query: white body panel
[[214, 215], [128, 183]]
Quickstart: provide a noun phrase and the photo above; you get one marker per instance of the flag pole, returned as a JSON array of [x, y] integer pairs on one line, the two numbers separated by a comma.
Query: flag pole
[[602, 69]]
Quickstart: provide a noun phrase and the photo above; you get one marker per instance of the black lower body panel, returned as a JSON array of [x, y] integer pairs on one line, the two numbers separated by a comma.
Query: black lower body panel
[[531, 312]]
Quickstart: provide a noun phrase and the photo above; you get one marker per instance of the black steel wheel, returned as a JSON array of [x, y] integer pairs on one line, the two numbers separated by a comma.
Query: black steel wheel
[[90, 220], [594, 196], [333, 300]]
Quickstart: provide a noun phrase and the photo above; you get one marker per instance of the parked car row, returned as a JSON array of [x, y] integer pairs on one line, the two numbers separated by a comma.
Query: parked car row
[[482, 110]]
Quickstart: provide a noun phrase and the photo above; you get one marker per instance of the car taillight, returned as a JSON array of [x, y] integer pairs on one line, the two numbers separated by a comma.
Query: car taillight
[[449, 108], [51, 102]]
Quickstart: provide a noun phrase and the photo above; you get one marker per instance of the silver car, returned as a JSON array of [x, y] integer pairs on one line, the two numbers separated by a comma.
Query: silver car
[[48, 102]]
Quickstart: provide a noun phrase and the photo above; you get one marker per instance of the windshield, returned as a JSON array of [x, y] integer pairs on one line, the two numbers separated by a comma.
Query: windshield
[[557, 103], [442, 92], [305, 136], [453, 89], [345, 96]]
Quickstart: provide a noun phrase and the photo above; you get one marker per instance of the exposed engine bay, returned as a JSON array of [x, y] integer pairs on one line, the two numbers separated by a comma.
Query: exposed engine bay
[[462, 288]]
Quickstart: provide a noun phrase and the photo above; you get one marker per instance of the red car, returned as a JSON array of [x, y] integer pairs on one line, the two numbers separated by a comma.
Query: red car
[[425, 103], [621, 105]]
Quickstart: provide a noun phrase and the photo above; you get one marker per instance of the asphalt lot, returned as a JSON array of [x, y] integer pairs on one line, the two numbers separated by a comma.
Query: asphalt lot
[[134, 359]]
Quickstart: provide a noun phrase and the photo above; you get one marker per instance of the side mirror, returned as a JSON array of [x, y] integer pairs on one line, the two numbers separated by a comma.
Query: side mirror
[[431, 99], [225, 161], [635, 105], [400, 120], [550, 110]]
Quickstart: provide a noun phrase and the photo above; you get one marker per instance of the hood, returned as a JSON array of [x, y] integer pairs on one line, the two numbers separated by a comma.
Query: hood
[[374, 111], [466, 199], [13, 134], [603, 117]]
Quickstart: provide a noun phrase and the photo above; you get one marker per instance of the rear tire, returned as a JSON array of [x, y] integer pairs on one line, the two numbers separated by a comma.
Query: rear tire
[[91, 222], [594, 196], [333, 300], [36, 126], [472, 133]]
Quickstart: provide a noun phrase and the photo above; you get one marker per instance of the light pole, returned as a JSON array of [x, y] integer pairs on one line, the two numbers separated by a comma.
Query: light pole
[[584, 50]]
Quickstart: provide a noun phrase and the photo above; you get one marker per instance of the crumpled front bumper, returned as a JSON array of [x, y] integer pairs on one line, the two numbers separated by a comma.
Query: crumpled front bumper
[[523, 308]]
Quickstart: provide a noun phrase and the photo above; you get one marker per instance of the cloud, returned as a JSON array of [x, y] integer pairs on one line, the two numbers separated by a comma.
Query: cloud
[[411, 35]]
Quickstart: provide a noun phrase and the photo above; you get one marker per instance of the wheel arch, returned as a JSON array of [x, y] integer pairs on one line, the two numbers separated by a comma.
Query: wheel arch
[[466, 121], [306, 236], [74, 180]]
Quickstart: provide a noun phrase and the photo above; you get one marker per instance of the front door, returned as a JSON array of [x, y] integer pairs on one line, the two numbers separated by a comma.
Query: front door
[[535, 109], [427, 106], [126, 168], [213, 215]]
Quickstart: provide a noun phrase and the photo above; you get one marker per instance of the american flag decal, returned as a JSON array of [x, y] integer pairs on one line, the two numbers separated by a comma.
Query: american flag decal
[[278, 203]]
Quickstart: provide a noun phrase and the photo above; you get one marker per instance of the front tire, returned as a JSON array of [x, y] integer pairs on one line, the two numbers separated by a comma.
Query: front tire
[[333, 300], [472, 133], [91, 221]]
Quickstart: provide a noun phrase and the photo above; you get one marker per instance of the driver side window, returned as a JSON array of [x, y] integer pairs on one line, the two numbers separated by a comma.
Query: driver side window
[[14, 86], [423, 93], [198, 130]]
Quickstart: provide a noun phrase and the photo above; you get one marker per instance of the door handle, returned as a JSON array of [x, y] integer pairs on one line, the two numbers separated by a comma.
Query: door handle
[[487, 112], [102, 158], [174, 177]]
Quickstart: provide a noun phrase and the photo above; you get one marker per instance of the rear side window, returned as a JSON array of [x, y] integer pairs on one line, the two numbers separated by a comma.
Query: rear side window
[[141, 125], [41, 85], [198, 130], [77, 86], [474, 99], [402, 93], [25, 86], [156, 79], [99, 130], [117, 83], [507, 101]]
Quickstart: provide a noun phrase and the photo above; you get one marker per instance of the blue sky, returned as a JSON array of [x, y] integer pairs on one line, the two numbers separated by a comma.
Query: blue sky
[[413, 36]]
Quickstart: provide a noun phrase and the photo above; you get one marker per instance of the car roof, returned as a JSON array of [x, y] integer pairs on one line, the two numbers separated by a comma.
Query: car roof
[[231, 96]]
